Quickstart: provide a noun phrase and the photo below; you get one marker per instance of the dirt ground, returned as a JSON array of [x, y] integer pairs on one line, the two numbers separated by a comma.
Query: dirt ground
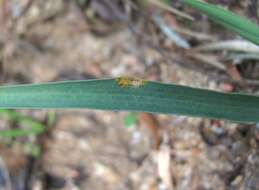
[[88, 149]]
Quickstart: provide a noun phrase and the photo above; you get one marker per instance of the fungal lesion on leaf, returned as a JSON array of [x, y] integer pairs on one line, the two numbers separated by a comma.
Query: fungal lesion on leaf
[[125, 82]]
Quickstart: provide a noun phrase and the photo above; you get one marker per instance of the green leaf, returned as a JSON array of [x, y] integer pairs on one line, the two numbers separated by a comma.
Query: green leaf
[[228, 19], [130, 119], [29, 126], [51, 118], [133, 95]]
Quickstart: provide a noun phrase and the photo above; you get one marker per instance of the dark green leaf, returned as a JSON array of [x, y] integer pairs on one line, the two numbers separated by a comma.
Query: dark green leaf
[[228, 19], [133, 95]]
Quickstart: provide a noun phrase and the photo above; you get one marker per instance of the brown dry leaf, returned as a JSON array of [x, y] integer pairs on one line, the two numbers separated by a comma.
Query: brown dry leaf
[[149, 121]]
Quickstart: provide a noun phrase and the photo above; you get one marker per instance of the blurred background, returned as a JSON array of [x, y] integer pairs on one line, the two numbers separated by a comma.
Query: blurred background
[[46, 40]]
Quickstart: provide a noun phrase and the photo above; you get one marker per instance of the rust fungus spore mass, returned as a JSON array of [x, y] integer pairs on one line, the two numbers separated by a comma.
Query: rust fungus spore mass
[[126, 82]]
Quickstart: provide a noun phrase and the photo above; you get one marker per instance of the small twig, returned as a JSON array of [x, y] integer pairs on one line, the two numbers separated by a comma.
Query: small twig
[[242, 56], [209, 60], [197, 35], [26, 8], [252, 82], [15, 20], [164, 166], [171, 9]]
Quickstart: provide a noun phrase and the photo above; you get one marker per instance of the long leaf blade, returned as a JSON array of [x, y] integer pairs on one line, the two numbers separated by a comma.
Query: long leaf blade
[[228, 19], [155, 97]]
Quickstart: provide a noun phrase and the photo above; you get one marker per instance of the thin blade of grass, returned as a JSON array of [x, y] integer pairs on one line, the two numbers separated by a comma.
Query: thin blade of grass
[[228, 19], [133, 95]]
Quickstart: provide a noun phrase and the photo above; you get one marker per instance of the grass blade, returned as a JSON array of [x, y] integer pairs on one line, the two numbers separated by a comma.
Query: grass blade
[[228, 19], [133, 95]]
